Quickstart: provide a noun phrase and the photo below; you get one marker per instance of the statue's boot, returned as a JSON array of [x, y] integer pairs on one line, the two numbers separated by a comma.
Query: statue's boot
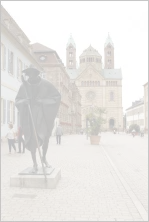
[[46, 163], [35, 168]]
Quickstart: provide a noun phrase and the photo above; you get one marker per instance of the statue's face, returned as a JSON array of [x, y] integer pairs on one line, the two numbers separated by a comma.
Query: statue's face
[[33, 76]]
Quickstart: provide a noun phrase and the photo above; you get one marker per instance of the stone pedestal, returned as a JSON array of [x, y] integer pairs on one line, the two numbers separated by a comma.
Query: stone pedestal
[[26, 179]]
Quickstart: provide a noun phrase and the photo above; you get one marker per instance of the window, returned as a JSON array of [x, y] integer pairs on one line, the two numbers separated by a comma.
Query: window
[[10, 62], [10, 112], [3, 57], [109, 53], [70, 54], [3, 111], [111, 96], [19, 69], [70, 62]]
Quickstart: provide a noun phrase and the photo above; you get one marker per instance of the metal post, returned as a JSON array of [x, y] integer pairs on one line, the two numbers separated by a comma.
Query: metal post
[[118, 127]]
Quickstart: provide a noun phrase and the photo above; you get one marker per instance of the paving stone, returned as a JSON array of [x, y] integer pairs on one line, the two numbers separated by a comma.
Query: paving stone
[[89, 188]]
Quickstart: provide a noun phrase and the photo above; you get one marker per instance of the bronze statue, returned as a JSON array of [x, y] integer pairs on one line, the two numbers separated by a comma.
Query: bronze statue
[[37, 102]]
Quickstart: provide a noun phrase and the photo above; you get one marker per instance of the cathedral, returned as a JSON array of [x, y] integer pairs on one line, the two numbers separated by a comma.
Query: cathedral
[[98, 86]]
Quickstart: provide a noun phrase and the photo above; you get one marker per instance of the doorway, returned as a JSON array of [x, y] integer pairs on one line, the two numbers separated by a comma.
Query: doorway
[[111, 123]]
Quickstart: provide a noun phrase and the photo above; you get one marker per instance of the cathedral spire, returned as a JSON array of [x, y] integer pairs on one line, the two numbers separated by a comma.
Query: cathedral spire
[[109, 41], [71, 41]]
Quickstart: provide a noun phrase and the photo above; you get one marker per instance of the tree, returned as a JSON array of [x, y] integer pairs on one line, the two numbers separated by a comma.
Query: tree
[[134, 126], [96, 120]]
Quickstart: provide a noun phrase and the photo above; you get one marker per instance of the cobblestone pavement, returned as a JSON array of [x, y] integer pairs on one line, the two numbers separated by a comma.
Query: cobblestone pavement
[[99, 183], [130, 155]]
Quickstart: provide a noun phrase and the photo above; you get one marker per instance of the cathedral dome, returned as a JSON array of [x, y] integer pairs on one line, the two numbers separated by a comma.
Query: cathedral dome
[[90, 51]]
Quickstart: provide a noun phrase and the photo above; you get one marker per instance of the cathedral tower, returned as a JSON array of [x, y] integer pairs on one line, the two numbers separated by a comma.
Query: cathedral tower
[[71, 54], [109, 53]]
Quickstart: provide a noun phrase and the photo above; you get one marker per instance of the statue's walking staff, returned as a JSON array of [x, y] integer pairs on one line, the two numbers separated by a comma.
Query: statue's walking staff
[[34, 129]]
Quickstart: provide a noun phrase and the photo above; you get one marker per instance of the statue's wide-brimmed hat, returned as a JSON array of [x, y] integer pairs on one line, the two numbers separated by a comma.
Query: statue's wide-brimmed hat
[[30, 71]]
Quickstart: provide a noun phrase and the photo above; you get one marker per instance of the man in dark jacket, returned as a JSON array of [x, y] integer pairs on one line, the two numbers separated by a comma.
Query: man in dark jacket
[[44, 100]]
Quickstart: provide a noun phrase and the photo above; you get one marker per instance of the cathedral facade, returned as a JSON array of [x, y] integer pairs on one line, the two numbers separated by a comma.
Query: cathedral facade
[[98, 86]]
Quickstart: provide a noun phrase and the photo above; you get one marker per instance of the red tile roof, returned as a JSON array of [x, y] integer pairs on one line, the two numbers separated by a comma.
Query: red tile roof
[[37, 47]]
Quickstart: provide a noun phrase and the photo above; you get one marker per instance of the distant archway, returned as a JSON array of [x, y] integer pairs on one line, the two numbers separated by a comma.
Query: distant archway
[[111, 123]]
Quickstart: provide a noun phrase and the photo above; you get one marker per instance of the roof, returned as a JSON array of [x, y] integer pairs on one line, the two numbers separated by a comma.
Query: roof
[[145, 84], [9, 24], [108, 40], [136, 103], [112, 73], [37, 47], [90, 51], [73, 73], [71, 41]]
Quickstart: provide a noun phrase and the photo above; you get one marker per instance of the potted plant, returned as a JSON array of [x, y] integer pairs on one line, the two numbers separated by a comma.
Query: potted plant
[[95, 120]]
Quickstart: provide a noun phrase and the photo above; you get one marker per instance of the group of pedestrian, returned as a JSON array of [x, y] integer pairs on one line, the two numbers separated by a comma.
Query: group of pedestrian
[[13, 137]]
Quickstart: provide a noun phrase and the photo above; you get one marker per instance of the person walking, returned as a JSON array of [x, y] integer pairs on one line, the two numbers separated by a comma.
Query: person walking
[[20, 140], [133, 132], [59, 133], [11, 137], [142, 132]]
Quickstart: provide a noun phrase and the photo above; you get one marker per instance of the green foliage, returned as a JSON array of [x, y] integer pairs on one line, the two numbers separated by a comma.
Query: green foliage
[[96, 120], [134, 126]]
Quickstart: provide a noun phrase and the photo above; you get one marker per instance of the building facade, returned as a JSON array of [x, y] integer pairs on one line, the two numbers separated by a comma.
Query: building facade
[[97, 86], [135, 114], [16, 55], [56, 73], [146, 106]]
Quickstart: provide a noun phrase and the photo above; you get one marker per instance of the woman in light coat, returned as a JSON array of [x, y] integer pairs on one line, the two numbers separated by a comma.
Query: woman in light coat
[[11, 138]]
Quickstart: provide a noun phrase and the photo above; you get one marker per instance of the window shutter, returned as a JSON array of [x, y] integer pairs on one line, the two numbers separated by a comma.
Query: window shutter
[[9, 61], [17, 68], [4, 111], [8, 111], [4, 57], [13, 113]]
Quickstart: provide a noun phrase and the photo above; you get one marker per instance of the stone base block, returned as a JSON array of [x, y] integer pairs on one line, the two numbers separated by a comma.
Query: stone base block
[[36, 180]]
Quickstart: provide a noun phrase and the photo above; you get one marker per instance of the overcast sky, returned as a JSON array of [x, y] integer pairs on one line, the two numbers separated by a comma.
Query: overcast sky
[[51, 22]]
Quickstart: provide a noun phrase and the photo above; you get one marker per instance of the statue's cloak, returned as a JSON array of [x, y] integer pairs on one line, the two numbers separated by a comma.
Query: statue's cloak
[[43, 113]]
